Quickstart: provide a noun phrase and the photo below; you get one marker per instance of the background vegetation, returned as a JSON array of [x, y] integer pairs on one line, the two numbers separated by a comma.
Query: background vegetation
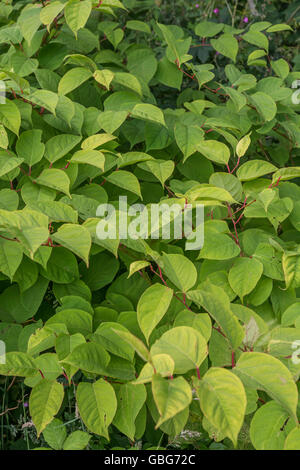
[[144, 344]]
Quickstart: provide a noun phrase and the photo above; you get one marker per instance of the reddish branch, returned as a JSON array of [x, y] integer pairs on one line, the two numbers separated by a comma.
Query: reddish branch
[[159, 274]]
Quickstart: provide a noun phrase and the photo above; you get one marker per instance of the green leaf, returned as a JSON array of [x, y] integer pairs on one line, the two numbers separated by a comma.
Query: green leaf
[[77, 440], [10, 116], [55, 179], [210, 192], [29, 146], [187, 138], [77, 13], [170, 396], [89, 157], [257, 39], [45, 99], [286, 174], [292, 441], [89, 357], [226, 45], [57, 211], [281, 68], [125, 180], [216, 302], [152, 306], [168, 74], [29, 21], [185, 345], [11, 255], [243, 145], [28, 226], [264, 372], [290, 315], [138, 26], [44, 402], [59, 145], [291, 269], [73, 78], [75, 238], [171, 41], [97, 405], [208, 29], [282, 341], [219, 246], [129, 81], [104, 77], [161, 169], [215, 151], [279, 27], [18, 363], [9, 164], [55, 434], [130, 401], [110, 121], [238, 99], [147, 112], [137, 266], [264, 104], [161, 364], [228, 182], [76, 320], [180, 271], [223, 401], [135, 343], [268, 427], [106, 335], [254, 169], [94, 141], [50, 12], [244, 275], [3, 137], [61, 267]]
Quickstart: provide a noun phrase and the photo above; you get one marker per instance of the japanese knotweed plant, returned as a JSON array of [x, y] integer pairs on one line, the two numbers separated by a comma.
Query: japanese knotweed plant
[[151, 335]]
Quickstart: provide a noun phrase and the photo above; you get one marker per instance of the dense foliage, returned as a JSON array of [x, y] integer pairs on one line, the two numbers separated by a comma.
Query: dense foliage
[[119, 343]]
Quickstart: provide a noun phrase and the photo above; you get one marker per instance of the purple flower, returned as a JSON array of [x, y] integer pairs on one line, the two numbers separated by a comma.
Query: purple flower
[[197, 5], [25, 404], [216, 11], [246, 19]]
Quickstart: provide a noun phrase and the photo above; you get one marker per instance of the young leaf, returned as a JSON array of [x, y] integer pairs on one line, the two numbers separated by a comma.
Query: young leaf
[[223, 401], [152, 306], [44, 403], [170, 396], [244, 275], [264, 372], [130, 401], [76, 238], [185, 345], [180, 271], [55, 179], [226, 45], [77, 13], [97, 405], [29, 146]]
